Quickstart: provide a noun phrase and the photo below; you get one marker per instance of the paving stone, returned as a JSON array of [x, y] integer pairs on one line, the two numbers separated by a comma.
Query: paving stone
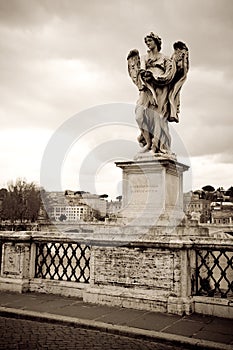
[[184, 328], [199, 318], [90, 312], [122, 316], [214, 336], [66, 337], [221, 325], [153, 321]]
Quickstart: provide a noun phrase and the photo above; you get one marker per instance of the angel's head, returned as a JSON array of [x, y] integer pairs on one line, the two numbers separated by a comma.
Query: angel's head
[[155, 38]]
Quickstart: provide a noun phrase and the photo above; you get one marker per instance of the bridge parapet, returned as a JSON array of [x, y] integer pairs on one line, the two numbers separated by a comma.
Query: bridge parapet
[[178, 273]]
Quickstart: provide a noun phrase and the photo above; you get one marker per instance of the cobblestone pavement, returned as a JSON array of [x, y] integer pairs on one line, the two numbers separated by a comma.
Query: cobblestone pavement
[[20, 334]]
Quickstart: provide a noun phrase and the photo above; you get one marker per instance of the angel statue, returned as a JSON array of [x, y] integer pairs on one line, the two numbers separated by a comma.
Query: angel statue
[[159, 80]]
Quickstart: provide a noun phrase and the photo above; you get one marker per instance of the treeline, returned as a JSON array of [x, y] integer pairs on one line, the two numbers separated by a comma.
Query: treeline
[[215, 195], [20, 202]]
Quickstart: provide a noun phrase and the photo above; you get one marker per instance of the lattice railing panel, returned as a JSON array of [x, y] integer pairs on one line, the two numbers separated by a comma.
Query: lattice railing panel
[[214, 273], [63, 261], [0, 256]]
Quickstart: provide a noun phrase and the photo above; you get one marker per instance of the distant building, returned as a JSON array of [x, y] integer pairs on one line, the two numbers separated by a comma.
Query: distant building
[[196, 207], [95, 203], [56, 197], [71, 212], [75, 206], [222, 213], [205, 206], [186, 200], [113, 207]]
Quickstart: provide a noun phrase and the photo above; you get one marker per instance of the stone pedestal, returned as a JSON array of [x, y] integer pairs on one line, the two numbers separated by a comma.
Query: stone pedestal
[[152, 191], [15, 265]]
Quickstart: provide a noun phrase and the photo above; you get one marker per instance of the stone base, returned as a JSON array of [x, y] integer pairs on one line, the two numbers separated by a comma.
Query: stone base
[[180, 306], [213, 306], [152, 191], [123, 297], [14, 284], [147, 300], [68, 289]]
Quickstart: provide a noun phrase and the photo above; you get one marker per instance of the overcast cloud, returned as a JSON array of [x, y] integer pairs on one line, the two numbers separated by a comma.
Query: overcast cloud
[[60, 57]]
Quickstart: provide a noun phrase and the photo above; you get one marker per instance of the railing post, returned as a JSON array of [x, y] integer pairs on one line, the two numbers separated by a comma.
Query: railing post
[[92, 267], [32, 265], [182, 302], [185, 273], [15, 264]]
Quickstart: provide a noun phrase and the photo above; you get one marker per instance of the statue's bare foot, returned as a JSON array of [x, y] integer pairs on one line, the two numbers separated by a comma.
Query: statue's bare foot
[[141, 141], [141, 144], [147, 148], [154, 150]]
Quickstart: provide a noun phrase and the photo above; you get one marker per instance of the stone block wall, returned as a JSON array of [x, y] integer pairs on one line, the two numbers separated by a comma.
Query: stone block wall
[[137, 267], [140, 275]]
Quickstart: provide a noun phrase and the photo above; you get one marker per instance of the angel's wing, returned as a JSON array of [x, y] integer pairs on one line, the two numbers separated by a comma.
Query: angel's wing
[[181, 59], [134, 66]]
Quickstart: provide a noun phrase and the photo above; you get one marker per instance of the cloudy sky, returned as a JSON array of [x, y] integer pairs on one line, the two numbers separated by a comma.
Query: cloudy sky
[[59, 58]]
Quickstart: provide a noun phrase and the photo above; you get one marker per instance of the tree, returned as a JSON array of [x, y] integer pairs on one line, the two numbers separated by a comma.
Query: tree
[[103, 196], [46, 205], [22, 202], [229, 193], [208, 188], [79, 192], [201, 194], [97, 215], [62, 217], [3, 193], [209, 192]]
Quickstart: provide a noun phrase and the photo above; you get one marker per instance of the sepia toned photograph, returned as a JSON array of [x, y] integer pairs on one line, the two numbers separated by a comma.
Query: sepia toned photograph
[[116, 185]]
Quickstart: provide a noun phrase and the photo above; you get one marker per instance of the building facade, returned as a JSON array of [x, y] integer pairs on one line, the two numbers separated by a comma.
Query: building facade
[[197, 208], [71, 212], [75, 206], [222, 213]]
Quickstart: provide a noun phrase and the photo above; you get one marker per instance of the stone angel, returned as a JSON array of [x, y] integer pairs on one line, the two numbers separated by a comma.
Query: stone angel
[[159, 80]]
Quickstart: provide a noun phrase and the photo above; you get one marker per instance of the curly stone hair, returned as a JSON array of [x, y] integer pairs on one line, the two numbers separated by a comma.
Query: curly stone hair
[[156, 38]]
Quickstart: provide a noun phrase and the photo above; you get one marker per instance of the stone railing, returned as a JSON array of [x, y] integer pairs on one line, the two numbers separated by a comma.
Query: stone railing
[[129, 267]]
